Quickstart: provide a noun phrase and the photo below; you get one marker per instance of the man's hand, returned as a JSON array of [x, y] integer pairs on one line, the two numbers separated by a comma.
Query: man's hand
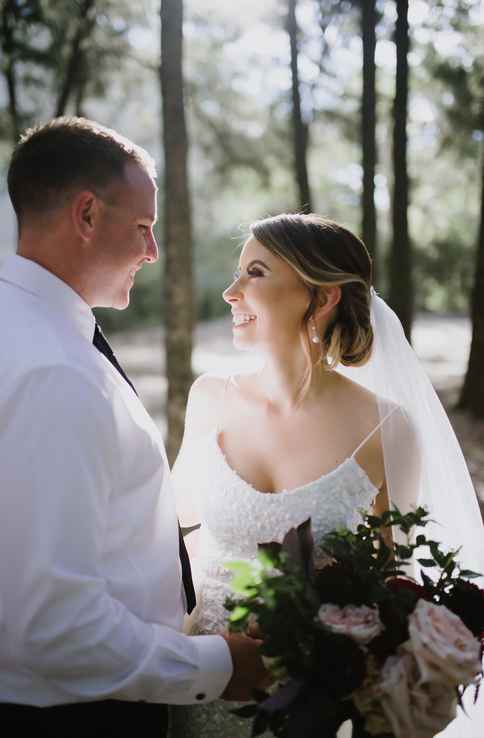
[[249, 671], [253, 628]]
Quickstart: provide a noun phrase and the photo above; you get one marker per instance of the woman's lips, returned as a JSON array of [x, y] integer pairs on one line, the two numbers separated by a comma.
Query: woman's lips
[[242, 320]]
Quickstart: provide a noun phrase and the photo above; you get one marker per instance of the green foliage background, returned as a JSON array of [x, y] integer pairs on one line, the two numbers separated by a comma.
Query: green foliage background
[[238, 106]]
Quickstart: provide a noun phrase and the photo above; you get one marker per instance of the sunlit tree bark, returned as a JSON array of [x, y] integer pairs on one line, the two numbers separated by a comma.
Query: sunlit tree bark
[[401, 263], [472, 395], [85, 24], [8, 19], [368, 129], [299, 126], [178, 279]]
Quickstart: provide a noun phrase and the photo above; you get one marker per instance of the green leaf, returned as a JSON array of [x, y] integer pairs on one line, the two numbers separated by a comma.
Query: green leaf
[[239, 613], [468, 574], [448, 559], [266, 559], [427, 562], [450, 567], [374, 521], [404, 552], [239, 567], [246, 579]]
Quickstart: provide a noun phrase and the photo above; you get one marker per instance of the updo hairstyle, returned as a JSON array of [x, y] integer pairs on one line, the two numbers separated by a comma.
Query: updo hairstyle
[[325, 254]]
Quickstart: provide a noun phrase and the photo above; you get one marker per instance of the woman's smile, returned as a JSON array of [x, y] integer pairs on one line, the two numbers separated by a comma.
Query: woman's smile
[[242, 320]]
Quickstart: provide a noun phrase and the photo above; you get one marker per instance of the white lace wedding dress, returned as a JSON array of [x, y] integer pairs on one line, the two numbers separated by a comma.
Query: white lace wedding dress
[[235, 518]]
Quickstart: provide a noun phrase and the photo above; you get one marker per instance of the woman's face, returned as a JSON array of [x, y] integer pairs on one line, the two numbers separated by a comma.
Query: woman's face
[[268, 300]]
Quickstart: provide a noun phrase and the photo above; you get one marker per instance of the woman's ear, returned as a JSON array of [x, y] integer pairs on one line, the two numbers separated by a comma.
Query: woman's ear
[[328, 298]]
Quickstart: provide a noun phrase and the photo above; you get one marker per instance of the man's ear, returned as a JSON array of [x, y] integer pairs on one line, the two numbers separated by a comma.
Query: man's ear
[[85, 211], [328, 298]]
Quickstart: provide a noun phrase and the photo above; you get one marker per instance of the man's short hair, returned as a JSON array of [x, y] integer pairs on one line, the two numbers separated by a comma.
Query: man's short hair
[[53, 160]]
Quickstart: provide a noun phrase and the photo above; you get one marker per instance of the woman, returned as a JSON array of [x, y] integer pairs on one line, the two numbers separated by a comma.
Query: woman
[[298, 439]]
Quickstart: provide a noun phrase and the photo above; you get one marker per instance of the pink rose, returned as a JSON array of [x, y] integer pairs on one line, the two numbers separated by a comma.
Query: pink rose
[[412, 708], [444, 648], [362, 624]]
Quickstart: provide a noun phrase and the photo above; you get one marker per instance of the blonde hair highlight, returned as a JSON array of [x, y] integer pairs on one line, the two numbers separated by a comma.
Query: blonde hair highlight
[[325, 254]]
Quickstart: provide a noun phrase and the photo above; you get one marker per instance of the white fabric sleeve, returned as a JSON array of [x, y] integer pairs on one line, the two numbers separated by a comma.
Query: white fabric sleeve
[[59, 456]]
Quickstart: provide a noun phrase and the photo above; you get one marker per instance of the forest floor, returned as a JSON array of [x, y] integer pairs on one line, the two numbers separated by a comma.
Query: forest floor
[[441, 342]]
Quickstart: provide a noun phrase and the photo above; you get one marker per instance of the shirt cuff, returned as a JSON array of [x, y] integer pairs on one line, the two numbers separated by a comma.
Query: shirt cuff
[[215, 670]]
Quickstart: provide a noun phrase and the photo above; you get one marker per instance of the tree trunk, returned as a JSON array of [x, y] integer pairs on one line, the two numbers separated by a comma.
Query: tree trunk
[[401, 283], [84, 28], [8, 48], [368, 129], [178, 279], [472, 394], [80, 87], [299, 127]]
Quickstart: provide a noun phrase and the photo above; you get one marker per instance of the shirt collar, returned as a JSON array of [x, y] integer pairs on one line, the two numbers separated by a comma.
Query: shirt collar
[[30, 276]]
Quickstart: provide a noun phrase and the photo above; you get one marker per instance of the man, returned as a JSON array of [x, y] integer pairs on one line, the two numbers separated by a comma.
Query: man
[[91, 595]]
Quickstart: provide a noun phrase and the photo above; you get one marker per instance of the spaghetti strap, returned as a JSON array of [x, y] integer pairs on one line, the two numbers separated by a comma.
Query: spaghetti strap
[[373, 431]]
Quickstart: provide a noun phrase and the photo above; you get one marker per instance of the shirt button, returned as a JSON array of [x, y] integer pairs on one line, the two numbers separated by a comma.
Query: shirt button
[[200, 696]]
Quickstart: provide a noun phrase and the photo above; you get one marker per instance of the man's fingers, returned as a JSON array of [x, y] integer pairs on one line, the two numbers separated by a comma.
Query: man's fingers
[[254, 631]]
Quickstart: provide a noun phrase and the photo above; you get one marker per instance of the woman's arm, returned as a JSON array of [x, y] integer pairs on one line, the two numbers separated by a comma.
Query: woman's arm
[[202, 413], [381, 505]]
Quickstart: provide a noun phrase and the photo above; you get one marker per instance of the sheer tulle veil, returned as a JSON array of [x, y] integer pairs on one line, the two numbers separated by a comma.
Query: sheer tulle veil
[[424, 464]]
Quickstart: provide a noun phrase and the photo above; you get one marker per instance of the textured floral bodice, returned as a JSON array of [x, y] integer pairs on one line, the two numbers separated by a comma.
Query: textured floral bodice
[[236, 517]]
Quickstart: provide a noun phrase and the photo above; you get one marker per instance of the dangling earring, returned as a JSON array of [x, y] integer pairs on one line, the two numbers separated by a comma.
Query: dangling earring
[[314, 333]]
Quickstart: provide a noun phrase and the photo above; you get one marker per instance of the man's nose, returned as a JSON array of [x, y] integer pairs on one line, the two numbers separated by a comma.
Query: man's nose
[[152, 251]]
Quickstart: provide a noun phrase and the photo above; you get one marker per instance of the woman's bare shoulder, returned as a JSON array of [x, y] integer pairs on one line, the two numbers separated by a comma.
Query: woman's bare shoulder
[[208, 387], [365, 401], [204, 405]]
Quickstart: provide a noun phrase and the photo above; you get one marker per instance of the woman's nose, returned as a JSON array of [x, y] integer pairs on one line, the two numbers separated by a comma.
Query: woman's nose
[[232, 293]]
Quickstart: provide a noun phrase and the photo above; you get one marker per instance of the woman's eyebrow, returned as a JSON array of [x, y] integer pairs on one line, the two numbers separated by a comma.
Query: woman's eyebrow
[[256, 261]]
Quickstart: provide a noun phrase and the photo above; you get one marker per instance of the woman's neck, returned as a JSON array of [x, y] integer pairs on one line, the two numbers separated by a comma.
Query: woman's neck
[[281, 380]]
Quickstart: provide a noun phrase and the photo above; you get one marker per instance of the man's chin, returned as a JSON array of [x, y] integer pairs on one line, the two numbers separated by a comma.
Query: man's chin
[[121, 302], [113, 302]]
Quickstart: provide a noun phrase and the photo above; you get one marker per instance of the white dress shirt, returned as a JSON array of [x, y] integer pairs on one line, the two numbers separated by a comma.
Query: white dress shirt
[[91, 600]]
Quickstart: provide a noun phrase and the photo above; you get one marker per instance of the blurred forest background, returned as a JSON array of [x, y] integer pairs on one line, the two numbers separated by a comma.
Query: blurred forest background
[[370, 112]]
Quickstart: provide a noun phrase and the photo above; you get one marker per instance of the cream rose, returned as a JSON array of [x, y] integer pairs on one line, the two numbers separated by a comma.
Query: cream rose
[[367, 699], [412, 708], [434, 706], [362, 624], [444, 648]]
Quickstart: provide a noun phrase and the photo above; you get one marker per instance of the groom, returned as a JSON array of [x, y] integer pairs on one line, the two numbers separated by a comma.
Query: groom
[[94, 578]]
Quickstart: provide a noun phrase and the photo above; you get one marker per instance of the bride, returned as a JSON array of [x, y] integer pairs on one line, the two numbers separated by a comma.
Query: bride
[[323, 430]]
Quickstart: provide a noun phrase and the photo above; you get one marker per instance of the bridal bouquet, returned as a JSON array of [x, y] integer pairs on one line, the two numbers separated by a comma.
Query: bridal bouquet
[[349, 636]]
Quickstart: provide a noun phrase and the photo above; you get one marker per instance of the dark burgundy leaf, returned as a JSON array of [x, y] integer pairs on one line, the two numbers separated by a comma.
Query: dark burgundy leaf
[[284, 697], [247, 711]]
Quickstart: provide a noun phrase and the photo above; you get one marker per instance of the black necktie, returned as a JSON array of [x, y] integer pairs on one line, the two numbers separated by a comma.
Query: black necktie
[[103, 346]]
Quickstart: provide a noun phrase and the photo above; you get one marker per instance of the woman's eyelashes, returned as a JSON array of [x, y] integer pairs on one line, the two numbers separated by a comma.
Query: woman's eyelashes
[[252, 272]]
